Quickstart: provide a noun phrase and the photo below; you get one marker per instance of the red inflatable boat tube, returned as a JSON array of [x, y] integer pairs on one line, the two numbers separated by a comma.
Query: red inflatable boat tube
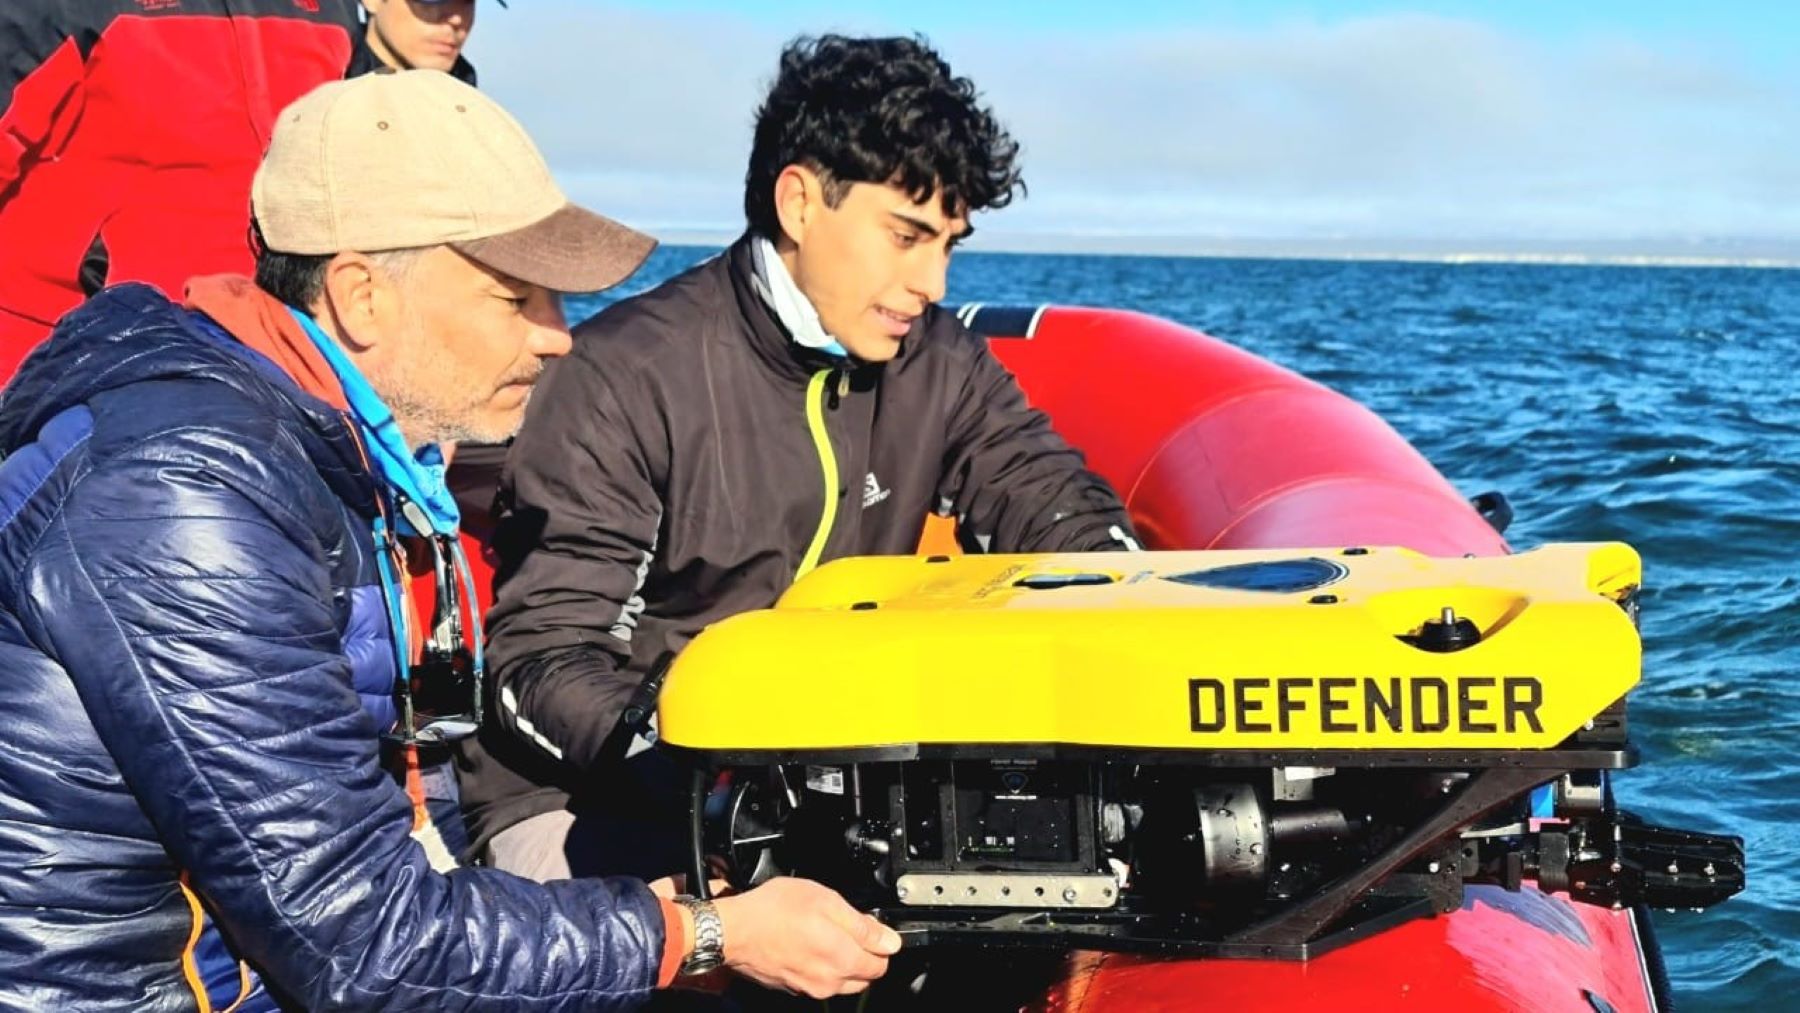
[[1213, 447]]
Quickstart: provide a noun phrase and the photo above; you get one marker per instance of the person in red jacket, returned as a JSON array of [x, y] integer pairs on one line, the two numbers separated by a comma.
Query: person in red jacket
[[127, 125]]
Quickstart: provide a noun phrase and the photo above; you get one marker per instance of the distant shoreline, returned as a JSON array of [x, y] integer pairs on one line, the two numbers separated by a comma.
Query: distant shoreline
[[1752, 256]]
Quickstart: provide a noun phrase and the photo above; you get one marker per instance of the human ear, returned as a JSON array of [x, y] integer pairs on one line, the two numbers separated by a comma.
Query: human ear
[[799, 196], [353, 300]]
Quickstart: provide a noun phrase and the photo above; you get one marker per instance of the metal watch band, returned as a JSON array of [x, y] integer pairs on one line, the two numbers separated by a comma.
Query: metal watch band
[[709, 937]]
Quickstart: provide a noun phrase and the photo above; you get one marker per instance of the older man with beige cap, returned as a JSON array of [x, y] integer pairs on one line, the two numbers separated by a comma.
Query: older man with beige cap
[[219, 705]]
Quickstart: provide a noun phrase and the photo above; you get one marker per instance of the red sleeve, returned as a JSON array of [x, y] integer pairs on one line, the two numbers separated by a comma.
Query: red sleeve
[[676, 943], [40, 87]]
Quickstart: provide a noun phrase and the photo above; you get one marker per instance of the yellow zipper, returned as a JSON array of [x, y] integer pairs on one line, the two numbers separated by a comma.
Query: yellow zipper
[[815, 422]]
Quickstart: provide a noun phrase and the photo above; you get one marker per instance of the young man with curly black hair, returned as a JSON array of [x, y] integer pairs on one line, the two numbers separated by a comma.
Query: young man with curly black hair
[[799, 398]]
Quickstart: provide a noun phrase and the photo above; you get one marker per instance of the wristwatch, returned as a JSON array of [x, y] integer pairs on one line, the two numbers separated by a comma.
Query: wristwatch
[[709, 937]]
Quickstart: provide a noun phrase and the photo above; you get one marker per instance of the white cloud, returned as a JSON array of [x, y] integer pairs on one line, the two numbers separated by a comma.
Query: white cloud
[[1373, 128]]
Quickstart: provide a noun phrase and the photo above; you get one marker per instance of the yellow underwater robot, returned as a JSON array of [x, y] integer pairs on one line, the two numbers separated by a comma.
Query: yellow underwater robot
[[1256, 753]]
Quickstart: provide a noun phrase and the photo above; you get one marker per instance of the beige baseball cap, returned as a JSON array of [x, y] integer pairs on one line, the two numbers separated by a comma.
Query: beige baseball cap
[[391, 161]]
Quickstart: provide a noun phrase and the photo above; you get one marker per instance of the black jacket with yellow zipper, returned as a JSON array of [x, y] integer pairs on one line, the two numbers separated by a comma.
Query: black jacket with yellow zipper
[[673, 470]]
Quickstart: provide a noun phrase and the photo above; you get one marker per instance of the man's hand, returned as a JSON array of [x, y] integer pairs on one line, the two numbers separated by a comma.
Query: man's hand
[[796, 935]]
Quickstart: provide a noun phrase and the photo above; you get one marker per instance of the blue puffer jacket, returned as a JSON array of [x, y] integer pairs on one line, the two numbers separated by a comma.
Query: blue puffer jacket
[[192, 809]]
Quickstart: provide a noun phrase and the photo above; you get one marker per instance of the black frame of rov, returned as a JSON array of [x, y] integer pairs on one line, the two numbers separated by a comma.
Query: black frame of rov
[[1596, 852]]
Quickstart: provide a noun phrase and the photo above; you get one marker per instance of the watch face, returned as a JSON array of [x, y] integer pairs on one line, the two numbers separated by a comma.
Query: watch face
[[700, 963]]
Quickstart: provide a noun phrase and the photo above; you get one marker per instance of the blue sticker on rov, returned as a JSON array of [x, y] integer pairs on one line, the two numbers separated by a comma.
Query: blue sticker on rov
[[1280, 576]]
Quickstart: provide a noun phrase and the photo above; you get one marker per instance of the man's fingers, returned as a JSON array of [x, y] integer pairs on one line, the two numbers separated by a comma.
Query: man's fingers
[[858, 957], [877, 938], [865, 959], [825, 988], [869, 933], [865, 966]]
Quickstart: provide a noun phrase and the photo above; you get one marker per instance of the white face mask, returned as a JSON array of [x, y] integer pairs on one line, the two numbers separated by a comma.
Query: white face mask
[[791, 306]]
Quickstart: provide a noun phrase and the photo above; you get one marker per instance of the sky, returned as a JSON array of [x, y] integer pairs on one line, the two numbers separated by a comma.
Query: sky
[[1653, 129]]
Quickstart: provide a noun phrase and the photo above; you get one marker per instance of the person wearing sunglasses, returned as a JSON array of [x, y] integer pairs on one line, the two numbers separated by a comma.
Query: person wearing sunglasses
[[416, 35], [217, 696]]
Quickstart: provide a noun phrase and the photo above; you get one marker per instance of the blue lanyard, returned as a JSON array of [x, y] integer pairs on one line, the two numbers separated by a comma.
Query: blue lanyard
[[425, 504], [423, 507]]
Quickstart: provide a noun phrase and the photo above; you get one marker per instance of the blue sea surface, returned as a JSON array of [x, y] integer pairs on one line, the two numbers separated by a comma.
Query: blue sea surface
[[1650, 405]]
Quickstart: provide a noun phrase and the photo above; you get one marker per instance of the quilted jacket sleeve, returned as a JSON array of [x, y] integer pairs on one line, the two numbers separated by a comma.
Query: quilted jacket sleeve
[[186, 592]]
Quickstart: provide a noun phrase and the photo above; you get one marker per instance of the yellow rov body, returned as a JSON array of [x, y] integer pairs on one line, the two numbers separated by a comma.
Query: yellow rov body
[[1241, 754], [1266, 650]]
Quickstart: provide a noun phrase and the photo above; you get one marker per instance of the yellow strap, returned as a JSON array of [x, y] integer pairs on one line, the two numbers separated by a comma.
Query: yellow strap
[[189, 969], [815, 421]]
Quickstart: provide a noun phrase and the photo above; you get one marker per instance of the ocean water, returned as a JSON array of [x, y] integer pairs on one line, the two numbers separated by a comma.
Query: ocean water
[[1656, 406]]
